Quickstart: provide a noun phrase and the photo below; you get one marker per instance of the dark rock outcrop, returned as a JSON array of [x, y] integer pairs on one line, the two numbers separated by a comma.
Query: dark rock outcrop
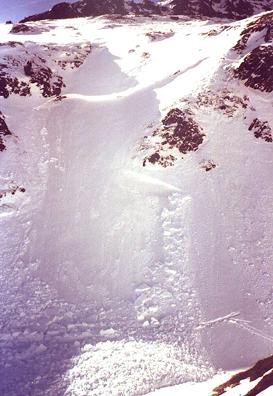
[[256, 69], [25, 67], [4, 131], [262, 370], [39, 74], [178, 134], [262, 25], [181, 131], [20, 28], [28, 28], [12, 85], [221, 8], [43, 77], [261, 129]]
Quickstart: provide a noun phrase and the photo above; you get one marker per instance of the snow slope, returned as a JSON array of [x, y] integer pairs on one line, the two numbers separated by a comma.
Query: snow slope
[[206, 388], [135, 204]]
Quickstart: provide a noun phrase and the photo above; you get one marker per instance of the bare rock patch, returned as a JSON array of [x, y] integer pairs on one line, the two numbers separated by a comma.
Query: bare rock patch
[[178, 135]]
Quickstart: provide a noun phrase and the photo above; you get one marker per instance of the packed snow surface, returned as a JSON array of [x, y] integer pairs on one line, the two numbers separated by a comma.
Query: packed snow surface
[[129, 263]]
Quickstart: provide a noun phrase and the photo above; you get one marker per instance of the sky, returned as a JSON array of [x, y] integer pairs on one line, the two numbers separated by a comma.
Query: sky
[[18, 9]]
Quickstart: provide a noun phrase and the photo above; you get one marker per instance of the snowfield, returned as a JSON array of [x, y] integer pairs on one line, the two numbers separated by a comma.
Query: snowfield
[[206, 388], [135, 206]]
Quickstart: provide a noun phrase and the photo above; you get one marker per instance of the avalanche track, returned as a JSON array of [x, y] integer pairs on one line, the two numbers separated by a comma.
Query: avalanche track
[[117, 243]]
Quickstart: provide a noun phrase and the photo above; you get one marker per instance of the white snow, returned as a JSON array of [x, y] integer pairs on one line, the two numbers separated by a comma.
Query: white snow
[[206, 388], [125, 278], [131, 368]]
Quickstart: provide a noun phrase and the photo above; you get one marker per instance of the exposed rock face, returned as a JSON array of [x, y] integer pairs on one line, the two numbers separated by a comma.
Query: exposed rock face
[[261, 129], [256, 70], [4, 131], [23, 28], [145, 8], [256, 66], [262, 370], [262, 25], [14, 68], [24, 68], [12, 85], [182, 131], [218, 8], [44, 78], [179, 134], [20, 28]]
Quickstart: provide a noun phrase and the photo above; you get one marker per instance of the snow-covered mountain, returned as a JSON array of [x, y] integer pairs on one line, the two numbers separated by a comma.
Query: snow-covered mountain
[[135, 202], [231, 9], [85, 8]]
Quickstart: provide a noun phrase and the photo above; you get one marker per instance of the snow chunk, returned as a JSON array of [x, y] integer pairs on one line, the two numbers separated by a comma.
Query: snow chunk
[[130, 368]]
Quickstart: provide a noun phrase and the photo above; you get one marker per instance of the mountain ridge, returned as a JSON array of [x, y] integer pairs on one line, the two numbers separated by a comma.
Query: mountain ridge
[[235, 10]]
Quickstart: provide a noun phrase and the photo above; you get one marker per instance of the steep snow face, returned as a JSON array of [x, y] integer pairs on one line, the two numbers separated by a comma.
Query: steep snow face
[[135, 202]]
